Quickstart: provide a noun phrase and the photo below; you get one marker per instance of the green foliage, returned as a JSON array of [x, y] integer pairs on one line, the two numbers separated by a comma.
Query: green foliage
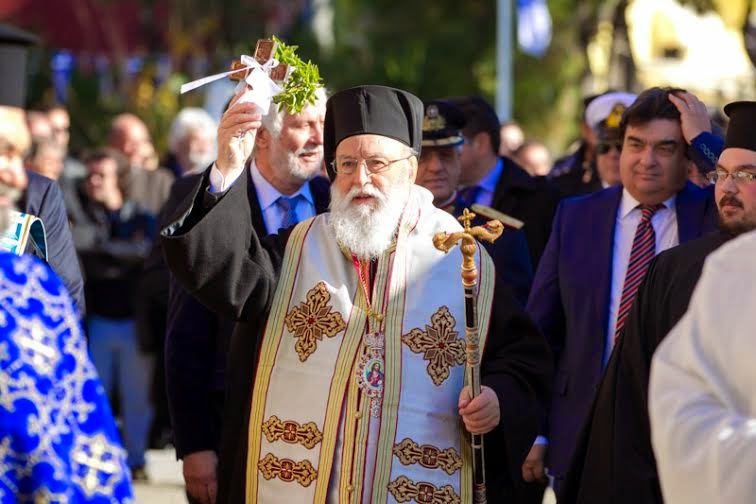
[[303, 81]]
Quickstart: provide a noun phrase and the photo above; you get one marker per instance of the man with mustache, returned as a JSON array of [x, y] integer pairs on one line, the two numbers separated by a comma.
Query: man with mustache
[[701, 387], [438, 170], [619, 416], [600, 249], [319, 304], [287, 156]]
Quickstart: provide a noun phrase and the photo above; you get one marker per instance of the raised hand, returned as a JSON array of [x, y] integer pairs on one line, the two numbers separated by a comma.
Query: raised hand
[[236, 135], [694, 118]]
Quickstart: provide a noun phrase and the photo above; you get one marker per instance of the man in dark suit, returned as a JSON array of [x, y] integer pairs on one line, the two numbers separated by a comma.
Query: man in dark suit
[[600, 248], [627, 473], [38, 195], [438, 170], [498, 182], [288, 153]]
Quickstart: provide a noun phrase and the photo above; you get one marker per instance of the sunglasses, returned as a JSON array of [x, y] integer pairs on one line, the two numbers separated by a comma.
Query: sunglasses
[[604, 147]]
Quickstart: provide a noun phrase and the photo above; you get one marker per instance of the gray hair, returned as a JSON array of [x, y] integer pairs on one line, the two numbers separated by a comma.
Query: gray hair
[[188, 120], [273, 120]]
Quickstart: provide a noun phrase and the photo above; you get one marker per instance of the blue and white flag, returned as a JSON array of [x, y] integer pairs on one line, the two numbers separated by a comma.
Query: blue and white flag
[[533, 27]]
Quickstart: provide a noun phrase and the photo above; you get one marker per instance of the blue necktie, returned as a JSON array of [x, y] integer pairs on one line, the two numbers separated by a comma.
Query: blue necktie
[[288, 207]]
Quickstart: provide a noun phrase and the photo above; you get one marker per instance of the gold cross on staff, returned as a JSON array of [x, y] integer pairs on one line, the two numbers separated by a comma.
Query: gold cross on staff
[[264, 51], [467, 240]]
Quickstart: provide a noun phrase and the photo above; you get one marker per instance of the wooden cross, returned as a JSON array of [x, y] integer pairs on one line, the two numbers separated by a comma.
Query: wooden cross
[[264, 51]]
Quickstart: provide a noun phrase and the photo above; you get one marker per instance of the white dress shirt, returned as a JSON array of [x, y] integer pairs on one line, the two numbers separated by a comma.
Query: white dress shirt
[[267, 195], [664, 222]]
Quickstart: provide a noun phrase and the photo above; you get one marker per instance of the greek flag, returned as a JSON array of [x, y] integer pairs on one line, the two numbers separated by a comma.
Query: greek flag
[[533, 27]]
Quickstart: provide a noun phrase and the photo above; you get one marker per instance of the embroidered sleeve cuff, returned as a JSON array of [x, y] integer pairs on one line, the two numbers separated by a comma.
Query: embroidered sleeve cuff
[[541, 440], [219, 183], [709, 146]]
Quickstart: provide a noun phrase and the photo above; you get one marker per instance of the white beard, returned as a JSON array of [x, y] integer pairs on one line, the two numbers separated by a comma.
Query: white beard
[[367, 232], [282, 157]]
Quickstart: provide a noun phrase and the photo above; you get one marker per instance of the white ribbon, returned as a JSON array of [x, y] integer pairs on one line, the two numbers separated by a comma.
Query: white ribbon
[[263, 88]]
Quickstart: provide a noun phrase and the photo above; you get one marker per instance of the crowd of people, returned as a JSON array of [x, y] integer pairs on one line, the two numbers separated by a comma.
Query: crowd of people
[[223, 317]]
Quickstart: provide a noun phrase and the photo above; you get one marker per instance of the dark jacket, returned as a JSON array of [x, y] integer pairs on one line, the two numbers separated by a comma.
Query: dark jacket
[[44, 199], [570, 300], [530, 199], [197, 339], [113, 246]]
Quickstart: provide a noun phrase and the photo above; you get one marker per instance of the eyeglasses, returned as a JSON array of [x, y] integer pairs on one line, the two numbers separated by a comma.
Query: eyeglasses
[[739, 177], [605, 147], [347, 166]]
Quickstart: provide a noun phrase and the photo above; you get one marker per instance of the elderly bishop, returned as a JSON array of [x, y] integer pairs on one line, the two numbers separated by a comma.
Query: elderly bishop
[[346, 376]]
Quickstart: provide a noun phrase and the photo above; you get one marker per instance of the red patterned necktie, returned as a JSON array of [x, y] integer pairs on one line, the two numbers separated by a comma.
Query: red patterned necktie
[[644, 249]]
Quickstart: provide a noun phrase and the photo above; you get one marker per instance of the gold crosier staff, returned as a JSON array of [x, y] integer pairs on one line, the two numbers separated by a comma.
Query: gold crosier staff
[[469, 247]]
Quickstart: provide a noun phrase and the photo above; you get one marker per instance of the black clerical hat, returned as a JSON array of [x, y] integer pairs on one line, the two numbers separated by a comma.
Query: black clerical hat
[[741, 132], [376, 110], [13, 47], [442, 124]]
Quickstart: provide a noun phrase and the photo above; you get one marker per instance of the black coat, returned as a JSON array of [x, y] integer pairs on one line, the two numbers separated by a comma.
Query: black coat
[[44, 199], [196, 338], [235, 273], [530, 199], [614, 461]]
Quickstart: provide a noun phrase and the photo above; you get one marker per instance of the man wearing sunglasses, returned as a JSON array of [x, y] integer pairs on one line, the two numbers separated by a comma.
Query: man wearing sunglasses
[[600, 248]]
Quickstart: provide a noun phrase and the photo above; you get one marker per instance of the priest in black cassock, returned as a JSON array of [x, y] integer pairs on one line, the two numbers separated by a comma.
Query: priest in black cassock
[[614, 461], [346, 369]]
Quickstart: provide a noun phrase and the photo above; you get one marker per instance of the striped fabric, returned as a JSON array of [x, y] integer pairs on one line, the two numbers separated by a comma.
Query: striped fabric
[[644, 249]]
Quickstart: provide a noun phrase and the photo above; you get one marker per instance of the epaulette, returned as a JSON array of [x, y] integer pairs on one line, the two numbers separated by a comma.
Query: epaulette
[[491, 213]]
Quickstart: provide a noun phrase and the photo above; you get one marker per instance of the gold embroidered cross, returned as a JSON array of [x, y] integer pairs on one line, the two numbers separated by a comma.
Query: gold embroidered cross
[[312, 319], [291, 432], [428, 456], [439, 344], [287, 470], [405, 490]]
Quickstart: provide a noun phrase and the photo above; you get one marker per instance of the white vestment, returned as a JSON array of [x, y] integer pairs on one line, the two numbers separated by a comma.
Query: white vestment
[[702, 396]]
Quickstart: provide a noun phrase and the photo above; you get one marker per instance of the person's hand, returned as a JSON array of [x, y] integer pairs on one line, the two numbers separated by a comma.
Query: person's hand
[[480, 415], [200, 476], [694, 118], [236, 135], [533, 469]]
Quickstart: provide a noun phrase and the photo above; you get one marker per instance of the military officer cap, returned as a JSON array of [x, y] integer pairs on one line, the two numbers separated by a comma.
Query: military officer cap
[[442, 124], [606, 110]]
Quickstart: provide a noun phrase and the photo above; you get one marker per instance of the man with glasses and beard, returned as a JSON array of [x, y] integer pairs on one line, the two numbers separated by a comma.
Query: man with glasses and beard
[[701, 386], [320, 304], [619, 416]]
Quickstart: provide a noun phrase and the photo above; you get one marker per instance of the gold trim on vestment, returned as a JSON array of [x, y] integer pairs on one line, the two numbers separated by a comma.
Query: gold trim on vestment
[[268, 351], [312, 319], [393, 358]]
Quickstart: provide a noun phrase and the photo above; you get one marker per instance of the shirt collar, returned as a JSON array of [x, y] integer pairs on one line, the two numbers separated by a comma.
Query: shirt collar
[[488, 182], [629, 203], [267, 195]]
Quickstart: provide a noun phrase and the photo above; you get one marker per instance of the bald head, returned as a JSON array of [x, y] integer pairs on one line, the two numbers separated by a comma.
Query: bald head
[[128, 135]]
